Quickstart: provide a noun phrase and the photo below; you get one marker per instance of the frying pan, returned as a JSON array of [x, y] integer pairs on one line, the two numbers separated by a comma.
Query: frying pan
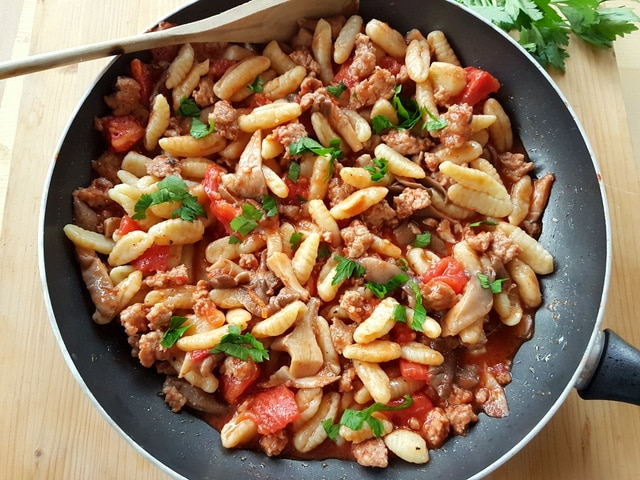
[[567, 347]]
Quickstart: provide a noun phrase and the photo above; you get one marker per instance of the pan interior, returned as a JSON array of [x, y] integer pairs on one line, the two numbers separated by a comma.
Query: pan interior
[[574, 231]]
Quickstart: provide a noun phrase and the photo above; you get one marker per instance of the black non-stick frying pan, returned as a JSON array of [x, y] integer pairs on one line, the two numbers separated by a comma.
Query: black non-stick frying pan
[[565, 348]]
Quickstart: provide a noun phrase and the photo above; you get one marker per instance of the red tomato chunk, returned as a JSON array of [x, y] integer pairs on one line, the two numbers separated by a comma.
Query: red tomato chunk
[[273, 409], [449, 271]]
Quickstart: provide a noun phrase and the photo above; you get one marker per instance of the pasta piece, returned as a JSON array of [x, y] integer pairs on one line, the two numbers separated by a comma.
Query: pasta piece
[[180, 66], [238, 431], [343, 46], [387, 38], [176, 231], [521, 192], [323, 130], [408, 445], [420, 353], [269, 116], [202, 341], [525, 278], [286, 83], [418, 59], [469, 152], [533, 253], [326, 289], [475, 180], [500, 131], [320, 176], [358, 202], [322, 47], [399, 164], [304, 259], [364, 433], [188, 146], [280, 61], [189, 83], [88, 239], [275, 183], [441, 48], [280, 264], [359, 124], [313, 433], [481, 202], [378, 324], [323, 218], [374, 379], [377, 351], [447, 78], [279, 322], [240, 75], [130, 247], [426, 100], [386, 109]]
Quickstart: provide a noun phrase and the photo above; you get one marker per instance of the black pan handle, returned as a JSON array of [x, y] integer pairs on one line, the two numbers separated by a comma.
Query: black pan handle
[[617, 373]]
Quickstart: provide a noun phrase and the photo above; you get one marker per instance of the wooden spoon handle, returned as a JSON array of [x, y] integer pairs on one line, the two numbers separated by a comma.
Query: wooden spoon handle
[[256, 21]]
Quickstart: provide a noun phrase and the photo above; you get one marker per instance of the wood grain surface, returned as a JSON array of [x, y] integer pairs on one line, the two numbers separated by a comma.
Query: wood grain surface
[[50, 430]]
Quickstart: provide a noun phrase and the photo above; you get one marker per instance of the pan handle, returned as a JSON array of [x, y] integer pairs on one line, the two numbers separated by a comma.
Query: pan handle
[[615, 375]]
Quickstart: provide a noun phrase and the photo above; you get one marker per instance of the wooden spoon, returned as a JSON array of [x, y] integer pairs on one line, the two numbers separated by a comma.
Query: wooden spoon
[[257, 21]]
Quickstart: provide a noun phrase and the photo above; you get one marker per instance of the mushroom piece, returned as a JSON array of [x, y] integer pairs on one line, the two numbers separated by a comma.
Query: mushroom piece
[[379, 271], [475, 303], [301, 344], [248, 180], [196, 398]]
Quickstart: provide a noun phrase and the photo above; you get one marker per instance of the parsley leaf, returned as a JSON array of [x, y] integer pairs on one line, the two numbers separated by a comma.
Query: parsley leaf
[[170, 189], [381, 290], [177, 328], [408, 111], [419, 312], [336, 90], [269, 205], [400, 314], [247, 221], [188, 108], [495, 286], [346, 269], [295, 239], [381, 123], [256, 85], [355, 419], [484, 222], [201, 130], [307, 144], [422, 240], [544, 26], [233, 240], [378, 170], [294, 172], [323, 251], [241, 346], [435, 123]]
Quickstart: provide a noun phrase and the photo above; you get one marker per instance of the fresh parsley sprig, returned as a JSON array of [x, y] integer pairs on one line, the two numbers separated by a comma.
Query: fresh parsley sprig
[[177, 328], [307, 144], [245, 223], [544, 26], [170, 189], [381, 290], [345, 269], [242, 346], [495, 286], [378, 170], [355, 419]]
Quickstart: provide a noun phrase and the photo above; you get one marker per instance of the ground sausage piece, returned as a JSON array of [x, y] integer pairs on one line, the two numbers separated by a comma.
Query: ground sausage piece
[[341, 334], [338, 191], [289, 133], [357, 238], [406, 144], [503, 247], [356, 305], [163, 166], [150, 349], [174, 398], [411, 200], [380, 84], [107, 166], [274, 443], [460, 417], [171, 278], [126, 99], [305, 58], [371, 453], [458, 129], [435, 428], [513, 166], [134, 319], [381, 214], [225, 118], [364, 59], [203, 94], [437, 295]]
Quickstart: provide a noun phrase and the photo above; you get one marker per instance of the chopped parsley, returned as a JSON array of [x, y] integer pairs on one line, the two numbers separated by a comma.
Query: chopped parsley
[[381, 290], [323, 251], [400, 314], [435, 123], [346, 269], [495, 286], [355, 419], [381, 123], [336, 90], [422, 240], [269, 205], [294, 172], [256, 85], [378, 170], [200, 129], [409, 114], [483, 222], [419, 312], [188, 108], [295, 239], [242, 346], [247, 221], [170, 189], [177, 328], [307, 144]]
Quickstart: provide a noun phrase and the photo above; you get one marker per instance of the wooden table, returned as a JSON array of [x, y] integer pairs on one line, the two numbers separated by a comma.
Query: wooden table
[[49, 428]]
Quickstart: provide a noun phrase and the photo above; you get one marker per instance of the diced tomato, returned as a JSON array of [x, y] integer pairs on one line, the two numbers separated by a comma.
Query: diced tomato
[[449, 271], [233, 387], [418, 410], [345, 75], [480, 84], [141, 73], [413, 370], [298, 191], [390, 63], [219, 207], [127, 225], [154, 259], [121, 131], [198, 355], [218, 67], [273, 409], [402, 333]]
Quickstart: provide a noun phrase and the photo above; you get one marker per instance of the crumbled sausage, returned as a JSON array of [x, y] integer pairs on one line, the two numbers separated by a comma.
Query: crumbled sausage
[[371, 453], [341, 334], [460, 417], [174, 398], [436, 428], [458, 130], [126, 98], [203, 94], [410, 201], [357, 239], [225, 118], [150, 349], [163, 166], [381, 214], [380, 84], [304, 57], [171, 278], [403, 142], [437, 295], [273, 444], [513, 166]]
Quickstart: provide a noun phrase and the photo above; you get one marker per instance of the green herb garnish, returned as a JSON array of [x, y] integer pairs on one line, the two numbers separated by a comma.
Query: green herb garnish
[[346, 269], [269, 205], [200, 129], [336, 90], [177, 328], [188, 108], [381, 123], [307, 144], [381, 290], [495, 286], [295, 239], [483, 222], [242, 346], [378, 170], [256, 85], [419, 312], [294, 172], [435, 123], [247, 221], [170, 189], [422, 240]]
